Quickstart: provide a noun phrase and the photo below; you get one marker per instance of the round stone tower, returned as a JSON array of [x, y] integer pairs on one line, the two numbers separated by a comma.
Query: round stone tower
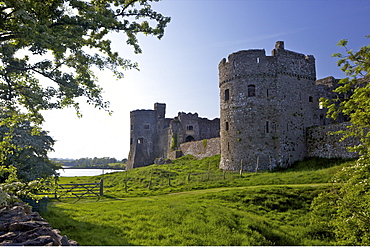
[[266, 104]]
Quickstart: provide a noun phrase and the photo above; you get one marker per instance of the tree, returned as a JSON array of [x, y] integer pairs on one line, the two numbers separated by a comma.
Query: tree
[[24, 147], [356, 88], [344, 211], [49, 48]]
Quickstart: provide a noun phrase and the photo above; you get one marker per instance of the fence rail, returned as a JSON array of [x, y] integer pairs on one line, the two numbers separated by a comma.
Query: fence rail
[[77, 190]]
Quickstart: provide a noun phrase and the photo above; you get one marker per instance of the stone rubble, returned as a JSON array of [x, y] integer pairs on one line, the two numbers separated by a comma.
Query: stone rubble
[[19, 226]]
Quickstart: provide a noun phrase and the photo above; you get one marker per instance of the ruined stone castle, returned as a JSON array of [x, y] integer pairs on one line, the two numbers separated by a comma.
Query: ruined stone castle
[[269, 116], [155, 136]]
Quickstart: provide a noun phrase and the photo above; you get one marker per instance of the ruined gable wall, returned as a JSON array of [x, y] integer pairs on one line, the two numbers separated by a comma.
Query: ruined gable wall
[[209, 128]]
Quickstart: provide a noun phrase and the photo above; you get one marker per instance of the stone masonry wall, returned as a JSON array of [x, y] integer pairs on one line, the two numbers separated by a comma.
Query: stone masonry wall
[[202, 149], [21, 227], [321, 144]]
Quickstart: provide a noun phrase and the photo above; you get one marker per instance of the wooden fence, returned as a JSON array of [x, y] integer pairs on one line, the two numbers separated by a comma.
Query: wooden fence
[[77, 190]]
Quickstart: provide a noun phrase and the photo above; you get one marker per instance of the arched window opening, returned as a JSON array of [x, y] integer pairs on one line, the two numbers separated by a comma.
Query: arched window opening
[[310, 99], [227, 95], [189, 139], [251, 90], [227, 126]]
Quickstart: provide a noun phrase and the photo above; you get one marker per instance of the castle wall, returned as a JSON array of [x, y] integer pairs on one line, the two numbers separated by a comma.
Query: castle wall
[[201, 149], [320, 143]]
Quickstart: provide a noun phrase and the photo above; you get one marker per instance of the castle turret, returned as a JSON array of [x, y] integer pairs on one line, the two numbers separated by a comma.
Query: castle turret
[[266, 104], [144, 136]]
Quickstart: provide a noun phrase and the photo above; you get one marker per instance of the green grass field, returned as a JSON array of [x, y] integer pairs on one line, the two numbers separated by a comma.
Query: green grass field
[[160, 205]]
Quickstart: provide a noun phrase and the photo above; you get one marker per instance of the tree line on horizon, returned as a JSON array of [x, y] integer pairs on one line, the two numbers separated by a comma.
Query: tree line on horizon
[[105, 162]]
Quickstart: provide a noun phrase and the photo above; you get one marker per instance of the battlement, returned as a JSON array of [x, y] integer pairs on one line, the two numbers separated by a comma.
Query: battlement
[[187, 116], [254, 62]]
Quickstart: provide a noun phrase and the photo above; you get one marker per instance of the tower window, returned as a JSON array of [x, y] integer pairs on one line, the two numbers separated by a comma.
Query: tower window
[[132, 127], [227, 126], [258, 60], [140, 140], [267, 127], [146, 126], [227, 95], [310, 99], [189, 127], [251, 90]]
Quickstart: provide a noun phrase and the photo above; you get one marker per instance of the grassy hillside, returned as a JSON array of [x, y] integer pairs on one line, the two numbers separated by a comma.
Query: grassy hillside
[[160, 205]]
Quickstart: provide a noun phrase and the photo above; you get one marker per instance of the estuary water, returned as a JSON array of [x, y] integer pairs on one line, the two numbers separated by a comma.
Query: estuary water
[[70, 172]]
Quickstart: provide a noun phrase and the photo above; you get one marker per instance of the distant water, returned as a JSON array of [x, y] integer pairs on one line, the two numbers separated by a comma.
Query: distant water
[[84, 172]]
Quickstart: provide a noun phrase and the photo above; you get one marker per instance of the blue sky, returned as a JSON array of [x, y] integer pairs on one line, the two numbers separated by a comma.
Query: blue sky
[[181, 69]]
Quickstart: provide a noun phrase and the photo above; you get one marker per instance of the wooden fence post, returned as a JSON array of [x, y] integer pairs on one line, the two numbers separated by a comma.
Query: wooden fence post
[[101, 187], [241, 168]]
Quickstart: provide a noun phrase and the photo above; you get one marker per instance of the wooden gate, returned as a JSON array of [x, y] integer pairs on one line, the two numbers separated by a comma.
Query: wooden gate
[[77, 190]]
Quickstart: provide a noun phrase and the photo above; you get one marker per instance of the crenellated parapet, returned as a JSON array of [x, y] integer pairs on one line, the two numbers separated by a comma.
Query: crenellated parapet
[[255, 63]]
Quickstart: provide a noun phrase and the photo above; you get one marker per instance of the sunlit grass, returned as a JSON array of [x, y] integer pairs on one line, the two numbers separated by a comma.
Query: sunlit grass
[[265, 208]]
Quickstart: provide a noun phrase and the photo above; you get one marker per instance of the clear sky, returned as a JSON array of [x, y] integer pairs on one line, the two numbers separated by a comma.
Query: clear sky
[[181, 69]]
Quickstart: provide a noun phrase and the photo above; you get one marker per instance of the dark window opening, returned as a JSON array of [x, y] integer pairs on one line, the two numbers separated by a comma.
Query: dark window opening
[[190, 127], [251, 90], [310, 99], [130, 141], [189, 139], [267, 127], [140, 140], [146, 126], [227, 126], [227, 94], [132, 127], [228, 146], [267, 92]]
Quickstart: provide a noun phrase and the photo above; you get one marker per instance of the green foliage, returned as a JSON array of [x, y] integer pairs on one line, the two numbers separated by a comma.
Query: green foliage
[[204, 143], [4, 198], [105, 162], [354, 95], [24, 145], [61, 41], [343, 213], [174, 142]]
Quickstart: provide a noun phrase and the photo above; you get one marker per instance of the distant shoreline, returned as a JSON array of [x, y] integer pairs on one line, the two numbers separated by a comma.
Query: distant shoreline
[[92, 168]]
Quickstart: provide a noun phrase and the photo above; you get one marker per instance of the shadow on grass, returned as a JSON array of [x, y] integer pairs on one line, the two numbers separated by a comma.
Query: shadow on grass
[[85, 233]]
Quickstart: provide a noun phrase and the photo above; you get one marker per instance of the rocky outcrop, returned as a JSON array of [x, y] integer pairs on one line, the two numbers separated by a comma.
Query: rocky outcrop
[[19, 226]]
